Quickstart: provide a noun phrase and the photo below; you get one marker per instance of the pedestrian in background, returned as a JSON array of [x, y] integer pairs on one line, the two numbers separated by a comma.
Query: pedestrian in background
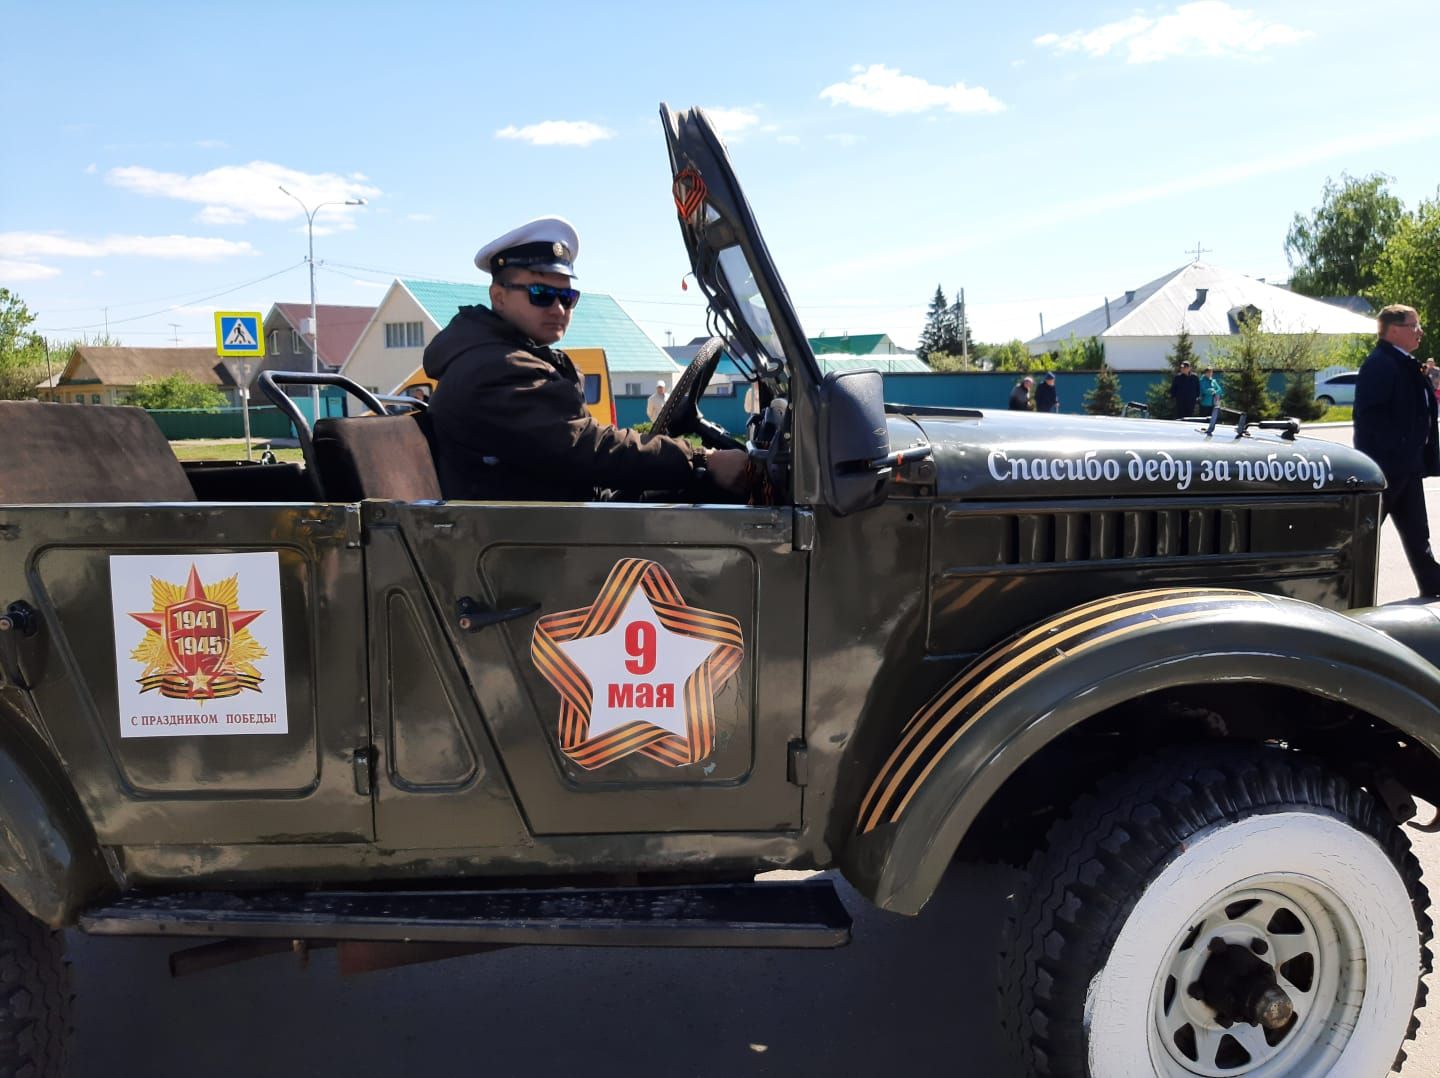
[[1432, 372], [655, 401], [1046, 398], [1395, 425], [1210, 391], [1020, 395], [1185, 391]]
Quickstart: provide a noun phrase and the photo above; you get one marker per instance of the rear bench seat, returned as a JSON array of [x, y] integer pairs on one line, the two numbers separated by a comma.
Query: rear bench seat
[[56, 453]]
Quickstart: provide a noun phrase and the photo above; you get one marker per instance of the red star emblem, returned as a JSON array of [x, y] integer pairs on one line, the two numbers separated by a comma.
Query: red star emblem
[[637, 670], [188, 650]]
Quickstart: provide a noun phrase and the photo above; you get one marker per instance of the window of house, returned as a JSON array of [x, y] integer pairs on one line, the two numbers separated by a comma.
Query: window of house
[[633, 389], [94, 398], [297, 342], [404, 335], [273, 347]]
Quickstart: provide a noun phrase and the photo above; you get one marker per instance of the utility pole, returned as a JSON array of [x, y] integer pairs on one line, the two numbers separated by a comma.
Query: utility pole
[[964, 335], [175, 334], [314, 317]]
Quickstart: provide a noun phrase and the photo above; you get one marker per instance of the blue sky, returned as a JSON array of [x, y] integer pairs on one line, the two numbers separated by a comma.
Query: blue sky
[[1041, 156]]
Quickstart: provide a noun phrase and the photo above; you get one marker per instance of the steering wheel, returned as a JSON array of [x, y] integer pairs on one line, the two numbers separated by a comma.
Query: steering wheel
[[680, 414]]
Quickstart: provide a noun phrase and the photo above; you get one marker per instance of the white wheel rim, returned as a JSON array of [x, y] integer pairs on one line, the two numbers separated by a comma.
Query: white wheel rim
[[1355, 919], [1308, 936]]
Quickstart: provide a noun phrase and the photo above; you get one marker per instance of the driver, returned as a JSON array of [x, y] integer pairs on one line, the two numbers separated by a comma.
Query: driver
[[508, 417]]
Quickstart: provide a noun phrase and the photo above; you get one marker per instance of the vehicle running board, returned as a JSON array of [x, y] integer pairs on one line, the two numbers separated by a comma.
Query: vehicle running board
[[806, 913]]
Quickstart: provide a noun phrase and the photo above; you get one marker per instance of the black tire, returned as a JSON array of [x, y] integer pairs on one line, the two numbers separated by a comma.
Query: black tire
[[1325, 402], [1142, 855], [34, 996]]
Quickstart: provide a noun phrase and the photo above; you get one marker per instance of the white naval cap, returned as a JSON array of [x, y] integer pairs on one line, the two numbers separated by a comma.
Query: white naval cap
[[545, 245]]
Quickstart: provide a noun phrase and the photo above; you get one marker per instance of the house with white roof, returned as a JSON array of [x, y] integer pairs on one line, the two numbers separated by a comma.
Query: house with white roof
[[392, 345], [1139, 327]]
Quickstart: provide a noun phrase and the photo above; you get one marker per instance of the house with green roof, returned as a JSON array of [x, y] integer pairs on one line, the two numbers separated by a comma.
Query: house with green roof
[[413, 311], [855, 344]]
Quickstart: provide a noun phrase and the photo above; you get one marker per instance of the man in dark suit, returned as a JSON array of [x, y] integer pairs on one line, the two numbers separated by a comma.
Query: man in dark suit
[[1185, 391], [1395, 425]]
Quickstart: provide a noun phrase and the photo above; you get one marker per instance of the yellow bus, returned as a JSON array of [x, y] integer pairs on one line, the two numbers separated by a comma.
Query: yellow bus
[[590, 362]]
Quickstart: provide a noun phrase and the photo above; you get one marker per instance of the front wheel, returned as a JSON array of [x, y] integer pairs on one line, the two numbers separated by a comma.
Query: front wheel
[[34, 996], [1222, 912]]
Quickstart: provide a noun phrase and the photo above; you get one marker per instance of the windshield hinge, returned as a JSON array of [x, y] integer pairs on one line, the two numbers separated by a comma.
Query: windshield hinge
[[797, 768], [804, 532]]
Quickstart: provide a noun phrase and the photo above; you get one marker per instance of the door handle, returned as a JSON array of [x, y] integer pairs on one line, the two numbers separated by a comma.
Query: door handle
[[472, 617]]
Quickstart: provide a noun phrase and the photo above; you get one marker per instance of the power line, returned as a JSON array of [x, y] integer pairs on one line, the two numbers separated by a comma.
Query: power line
[[166, 310], [133, 302]]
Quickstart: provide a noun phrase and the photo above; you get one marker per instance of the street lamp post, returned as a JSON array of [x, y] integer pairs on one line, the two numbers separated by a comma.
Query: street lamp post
[[314, 317]]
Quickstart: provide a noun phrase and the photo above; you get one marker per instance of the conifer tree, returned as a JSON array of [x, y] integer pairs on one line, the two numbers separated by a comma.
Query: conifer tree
[[1104, 399], [932, 337]]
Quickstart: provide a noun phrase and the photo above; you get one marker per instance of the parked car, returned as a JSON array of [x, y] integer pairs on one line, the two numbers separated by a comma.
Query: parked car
[[1336, 389]]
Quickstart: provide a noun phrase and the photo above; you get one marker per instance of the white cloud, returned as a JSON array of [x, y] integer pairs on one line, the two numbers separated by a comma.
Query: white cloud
[[732, 124], [788, 140], [844, 138], [885, 89], [180, 248], [557, 133], [1204, 28], [90, 169], [25, 271], [233, 194]]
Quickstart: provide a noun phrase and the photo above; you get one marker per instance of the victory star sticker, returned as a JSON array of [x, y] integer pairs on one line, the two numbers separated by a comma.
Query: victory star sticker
[[637, 670]]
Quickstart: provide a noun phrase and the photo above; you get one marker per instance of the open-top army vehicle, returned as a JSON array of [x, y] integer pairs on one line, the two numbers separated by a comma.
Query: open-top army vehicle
[[270, 703]]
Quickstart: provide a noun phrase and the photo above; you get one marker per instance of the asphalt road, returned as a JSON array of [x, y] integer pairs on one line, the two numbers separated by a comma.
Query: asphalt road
[[907, 997]]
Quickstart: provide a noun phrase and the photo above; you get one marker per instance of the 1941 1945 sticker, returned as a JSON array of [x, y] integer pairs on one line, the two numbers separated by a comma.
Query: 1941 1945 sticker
[[199, 645], [637, 670]]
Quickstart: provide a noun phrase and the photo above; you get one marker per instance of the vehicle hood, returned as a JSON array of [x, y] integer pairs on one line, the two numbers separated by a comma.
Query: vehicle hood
[[984, 454]]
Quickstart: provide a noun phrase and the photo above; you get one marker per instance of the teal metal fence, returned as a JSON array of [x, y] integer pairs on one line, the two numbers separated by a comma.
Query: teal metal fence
[[968, 389], [266, 420]]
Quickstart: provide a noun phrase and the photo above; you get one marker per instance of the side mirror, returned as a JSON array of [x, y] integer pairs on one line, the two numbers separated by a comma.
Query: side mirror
[[855, 440]]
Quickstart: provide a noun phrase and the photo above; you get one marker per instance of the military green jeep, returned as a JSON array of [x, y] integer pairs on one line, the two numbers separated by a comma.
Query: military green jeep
[[250, 704]]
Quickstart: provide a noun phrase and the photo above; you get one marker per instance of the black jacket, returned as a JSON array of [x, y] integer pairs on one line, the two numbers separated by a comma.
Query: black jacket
[[508, 421], [1185, 390], [1045, 397], [1395, 416], [1020, 398]]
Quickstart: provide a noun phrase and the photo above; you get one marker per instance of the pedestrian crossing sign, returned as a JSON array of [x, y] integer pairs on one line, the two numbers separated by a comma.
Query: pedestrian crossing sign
[[238, 333]]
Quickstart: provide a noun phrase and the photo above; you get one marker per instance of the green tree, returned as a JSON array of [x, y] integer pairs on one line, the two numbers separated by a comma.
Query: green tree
[[1010, 356], [932, 337], [176, 390], [1104, 399], [1298, 400], [22, 351], [1335, 251], [1076, 354], [1409, 269], [1246, 379]]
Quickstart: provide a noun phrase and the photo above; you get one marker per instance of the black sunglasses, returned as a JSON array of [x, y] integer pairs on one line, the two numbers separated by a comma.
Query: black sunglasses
[[543, 295]]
